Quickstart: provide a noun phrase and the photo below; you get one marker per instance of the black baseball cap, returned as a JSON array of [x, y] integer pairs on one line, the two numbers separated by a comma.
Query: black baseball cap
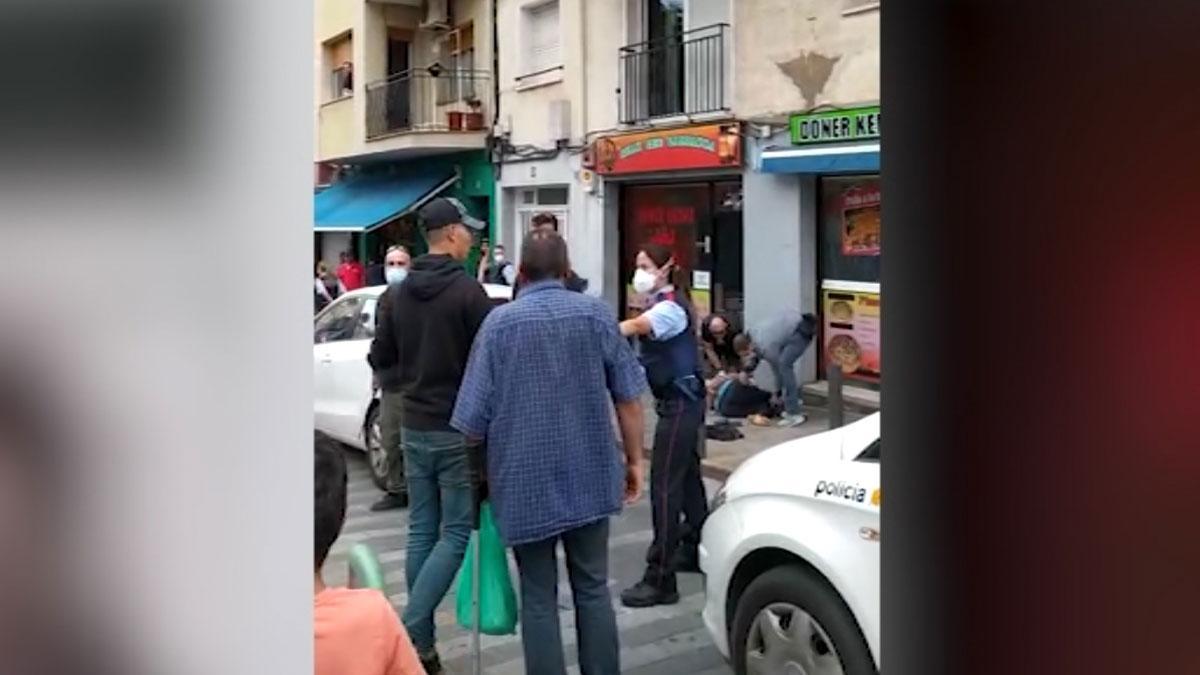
[[444, 211]]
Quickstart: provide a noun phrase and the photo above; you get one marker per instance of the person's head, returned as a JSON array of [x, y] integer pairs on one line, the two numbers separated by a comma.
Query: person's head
[[322, 269], [743, 346], [498, 253], [544, 256], [395, 264], [655, 268], [716, 328], [449, 228], [545, 221], [329, 497], [347, 256]]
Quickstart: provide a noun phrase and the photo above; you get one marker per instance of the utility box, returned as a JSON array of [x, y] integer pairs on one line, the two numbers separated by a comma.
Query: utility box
[[559, 124]]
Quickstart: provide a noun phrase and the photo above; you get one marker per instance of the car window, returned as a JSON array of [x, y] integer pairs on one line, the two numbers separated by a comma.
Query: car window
[[366, 320], [871, 454], [339, 321]]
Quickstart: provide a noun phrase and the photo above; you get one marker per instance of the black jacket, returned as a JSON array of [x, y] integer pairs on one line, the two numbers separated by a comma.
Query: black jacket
[[425, 336]]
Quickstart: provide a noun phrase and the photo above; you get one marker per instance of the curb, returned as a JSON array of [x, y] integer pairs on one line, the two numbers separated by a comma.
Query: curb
[[714, 471]]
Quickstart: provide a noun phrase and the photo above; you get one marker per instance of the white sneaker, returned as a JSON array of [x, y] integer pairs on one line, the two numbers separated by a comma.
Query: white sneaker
[[793, 420]]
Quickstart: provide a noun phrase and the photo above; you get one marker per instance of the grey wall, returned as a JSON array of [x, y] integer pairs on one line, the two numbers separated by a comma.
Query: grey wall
[[780, 232]]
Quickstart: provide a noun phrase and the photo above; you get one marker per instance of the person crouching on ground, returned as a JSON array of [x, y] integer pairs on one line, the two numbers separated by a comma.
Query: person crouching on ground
[[781, 342], [537, 400], [355, 631]]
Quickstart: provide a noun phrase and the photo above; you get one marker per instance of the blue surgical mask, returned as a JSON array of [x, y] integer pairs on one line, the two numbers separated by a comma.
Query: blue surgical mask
[[395, 275]]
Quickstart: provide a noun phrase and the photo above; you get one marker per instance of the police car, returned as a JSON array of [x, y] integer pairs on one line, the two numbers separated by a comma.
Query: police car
[[791, 557]]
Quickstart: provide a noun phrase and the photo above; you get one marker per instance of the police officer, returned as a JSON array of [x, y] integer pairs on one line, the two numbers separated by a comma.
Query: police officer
[[670, 355]]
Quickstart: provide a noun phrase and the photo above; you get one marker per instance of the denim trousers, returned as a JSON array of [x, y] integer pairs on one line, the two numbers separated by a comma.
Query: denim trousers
[[783, 366], [439, 524], [586, 550]]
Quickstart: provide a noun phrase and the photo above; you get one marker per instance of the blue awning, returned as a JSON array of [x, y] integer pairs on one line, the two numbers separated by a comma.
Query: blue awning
[[362, 203], [821, 159]]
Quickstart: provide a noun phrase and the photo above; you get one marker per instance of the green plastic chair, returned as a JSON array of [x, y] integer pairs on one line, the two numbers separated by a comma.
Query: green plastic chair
[[365, 570]]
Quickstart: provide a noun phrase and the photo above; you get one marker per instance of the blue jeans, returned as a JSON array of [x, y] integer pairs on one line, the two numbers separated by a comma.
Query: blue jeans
[[783, 365], [595, 622], [439, 524]]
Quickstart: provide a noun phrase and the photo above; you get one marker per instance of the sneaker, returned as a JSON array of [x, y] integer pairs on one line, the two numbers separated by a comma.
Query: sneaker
[[792, 420], [430, 662], [391, 501], [643, 594]]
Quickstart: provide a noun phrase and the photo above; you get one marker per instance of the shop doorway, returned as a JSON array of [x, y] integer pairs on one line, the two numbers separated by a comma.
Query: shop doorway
[[701, 222]]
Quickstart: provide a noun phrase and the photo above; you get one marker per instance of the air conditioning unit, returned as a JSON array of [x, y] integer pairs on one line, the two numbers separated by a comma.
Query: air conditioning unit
[[559, 124], [437, 15]]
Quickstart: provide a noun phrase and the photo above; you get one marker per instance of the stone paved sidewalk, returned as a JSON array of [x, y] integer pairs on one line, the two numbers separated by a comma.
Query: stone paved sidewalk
[[722, 457]]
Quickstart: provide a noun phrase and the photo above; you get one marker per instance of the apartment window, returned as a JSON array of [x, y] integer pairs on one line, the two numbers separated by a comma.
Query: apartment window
[[339, 64], [533, 201], [458, 84], [542, 45]]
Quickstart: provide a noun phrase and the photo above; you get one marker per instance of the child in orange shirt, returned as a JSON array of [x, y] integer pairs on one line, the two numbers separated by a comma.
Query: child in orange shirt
[[356, 630]]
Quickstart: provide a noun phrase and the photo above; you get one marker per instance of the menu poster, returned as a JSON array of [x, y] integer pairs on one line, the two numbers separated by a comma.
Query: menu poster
[[851, 335], [860, 221]]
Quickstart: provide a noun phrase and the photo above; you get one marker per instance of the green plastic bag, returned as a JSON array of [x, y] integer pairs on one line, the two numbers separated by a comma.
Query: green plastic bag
[[365, 571], [497, 600]]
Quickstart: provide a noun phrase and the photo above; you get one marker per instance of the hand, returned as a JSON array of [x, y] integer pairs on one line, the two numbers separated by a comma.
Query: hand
[[483, 249], [633, 483]]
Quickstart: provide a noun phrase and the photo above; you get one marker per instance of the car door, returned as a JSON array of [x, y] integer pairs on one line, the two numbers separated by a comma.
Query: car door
[[333, 327], [350, 377]]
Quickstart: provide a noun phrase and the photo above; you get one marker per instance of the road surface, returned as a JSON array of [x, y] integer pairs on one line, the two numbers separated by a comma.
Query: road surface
[[656, 641]]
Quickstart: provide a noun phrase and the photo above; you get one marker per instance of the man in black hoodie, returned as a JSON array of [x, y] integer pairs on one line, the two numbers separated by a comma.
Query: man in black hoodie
[[426, 337]]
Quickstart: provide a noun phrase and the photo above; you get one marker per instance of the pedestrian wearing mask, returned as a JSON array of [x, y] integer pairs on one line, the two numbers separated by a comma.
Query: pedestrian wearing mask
[[499, 270], [391, 399], [670, 356]]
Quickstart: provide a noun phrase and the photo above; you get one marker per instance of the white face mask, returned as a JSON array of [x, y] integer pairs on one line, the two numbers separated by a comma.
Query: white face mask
[[643, 281], [498, 257], [395, 275]]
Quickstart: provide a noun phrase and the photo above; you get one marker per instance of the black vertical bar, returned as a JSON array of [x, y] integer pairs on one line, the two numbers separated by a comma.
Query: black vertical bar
[[835, 396]]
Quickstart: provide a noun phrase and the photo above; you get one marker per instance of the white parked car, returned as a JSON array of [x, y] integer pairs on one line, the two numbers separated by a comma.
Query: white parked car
[[790, 554], [344, 405]]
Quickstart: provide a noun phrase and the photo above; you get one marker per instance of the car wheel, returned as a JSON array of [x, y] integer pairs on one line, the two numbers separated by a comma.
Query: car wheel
[[790, 621], [376, 456]]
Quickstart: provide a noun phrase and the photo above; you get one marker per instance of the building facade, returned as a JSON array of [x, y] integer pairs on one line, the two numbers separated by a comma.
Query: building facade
[[807, 88], [403, 102]]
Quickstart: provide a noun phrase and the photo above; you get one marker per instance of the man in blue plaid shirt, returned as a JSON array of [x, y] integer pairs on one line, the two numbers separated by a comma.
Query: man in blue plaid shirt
[[544, 376]]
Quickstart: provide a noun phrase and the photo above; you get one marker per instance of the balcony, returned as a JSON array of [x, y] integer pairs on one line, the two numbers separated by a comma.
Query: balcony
[[429, 100], [679, 75]]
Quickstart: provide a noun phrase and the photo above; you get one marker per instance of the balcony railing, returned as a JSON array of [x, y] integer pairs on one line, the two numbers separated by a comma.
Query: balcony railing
[[430, 99], [677, 75]]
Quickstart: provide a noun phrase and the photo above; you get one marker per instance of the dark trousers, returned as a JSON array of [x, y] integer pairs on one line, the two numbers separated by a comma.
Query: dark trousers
[[390, 415], [676, 487], [595, 621]]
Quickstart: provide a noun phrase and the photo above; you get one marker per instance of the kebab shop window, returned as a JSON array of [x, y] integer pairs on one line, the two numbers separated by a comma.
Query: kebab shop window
[[670, 215], [849, 259]]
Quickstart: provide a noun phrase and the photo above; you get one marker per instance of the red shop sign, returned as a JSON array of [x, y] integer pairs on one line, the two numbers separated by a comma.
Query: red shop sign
[[711, 146]]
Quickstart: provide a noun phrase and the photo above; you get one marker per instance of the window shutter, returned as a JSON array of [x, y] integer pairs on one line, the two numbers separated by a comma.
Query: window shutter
[[544, 51]]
